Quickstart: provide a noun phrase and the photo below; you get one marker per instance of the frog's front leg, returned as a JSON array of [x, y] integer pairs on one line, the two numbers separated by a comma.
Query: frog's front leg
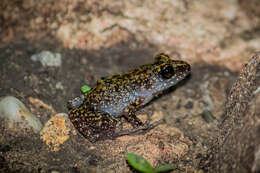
[[129, 115], [130, 111], [138, 126], [93, 125]]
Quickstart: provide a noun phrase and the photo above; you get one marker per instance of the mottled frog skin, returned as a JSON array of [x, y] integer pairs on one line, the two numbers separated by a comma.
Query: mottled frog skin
[[97, 115]]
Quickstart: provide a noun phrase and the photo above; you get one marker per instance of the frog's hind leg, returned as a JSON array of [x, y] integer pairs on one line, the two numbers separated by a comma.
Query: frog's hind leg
[[93, 125]]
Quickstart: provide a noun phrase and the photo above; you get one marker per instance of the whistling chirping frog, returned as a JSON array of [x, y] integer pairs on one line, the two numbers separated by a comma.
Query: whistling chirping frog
[[97, 115]]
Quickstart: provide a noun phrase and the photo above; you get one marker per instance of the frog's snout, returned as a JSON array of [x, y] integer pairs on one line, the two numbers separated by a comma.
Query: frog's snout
[[184, 68], [188, 68]]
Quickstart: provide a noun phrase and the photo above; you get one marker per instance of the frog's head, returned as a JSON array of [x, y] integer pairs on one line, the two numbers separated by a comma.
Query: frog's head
[[169, 72]]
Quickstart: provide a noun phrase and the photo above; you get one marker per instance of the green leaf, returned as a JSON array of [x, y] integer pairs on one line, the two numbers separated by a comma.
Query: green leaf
[[84, 89], [164, 168], [139, 163]]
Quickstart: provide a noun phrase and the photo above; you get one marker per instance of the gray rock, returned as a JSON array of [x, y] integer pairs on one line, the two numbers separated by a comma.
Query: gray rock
[[237, 148], [48, 58], [15, 112]]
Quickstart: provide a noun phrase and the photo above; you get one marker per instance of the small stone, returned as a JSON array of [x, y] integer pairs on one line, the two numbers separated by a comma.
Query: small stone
[[48, 58], [39, 19], [15, 112], [189, 105], [59, 86], [55, 172], [54, 25], [207, 116], [56, 131]]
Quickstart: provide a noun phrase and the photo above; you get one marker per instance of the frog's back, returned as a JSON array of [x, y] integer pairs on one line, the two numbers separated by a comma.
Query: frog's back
[[114, 93]]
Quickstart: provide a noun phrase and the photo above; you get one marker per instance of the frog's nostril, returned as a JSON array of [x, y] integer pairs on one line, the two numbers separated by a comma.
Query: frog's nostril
[[184, 68], [188, 67]]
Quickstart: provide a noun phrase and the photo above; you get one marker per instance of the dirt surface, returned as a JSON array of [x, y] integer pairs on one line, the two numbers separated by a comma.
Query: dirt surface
[[102, 38]]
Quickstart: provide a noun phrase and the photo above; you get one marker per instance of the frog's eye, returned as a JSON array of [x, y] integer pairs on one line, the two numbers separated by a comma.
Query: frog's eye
[[167, 72]]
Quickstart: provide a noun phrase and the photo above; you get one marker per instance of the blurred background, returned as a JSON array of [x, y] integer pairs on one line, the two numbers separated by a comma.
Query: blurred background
[[219, 31]]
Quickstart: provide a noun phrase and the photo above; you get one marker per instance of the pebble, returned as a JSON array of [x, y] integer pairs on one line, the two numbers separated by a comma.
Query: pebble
[[207, 116], [48, 58], [17, 115], [56, 131], [59, 86]]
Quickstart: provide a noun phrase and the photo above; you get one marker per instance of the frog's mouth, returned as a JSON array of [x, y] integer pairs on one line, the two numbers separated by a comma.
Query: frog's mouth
[[182, 72]]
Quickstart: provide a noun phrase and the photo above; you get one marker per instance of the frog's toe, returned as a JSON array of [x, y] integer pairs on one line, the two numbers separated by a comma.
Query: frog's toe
[[147, 122], [139, 130], [154, 124], [148, 127]]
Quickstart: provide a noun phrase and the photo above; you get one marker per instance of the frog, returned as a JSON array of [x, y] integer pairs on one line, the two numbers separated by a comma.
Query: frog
[[98, 113]]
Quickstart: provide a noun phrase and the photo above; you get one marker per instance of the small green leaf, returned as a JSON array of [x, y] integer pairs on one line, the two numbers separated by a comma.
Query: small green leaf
[[164, 168], [139, 163], [84, 89]]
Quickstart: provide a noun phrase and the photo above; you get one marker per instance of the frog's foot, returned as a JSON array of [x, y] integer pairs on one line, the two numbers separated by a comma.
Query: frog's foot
[[139, 130], [148, 119], [138, 126], [149, 127], [146, 125]]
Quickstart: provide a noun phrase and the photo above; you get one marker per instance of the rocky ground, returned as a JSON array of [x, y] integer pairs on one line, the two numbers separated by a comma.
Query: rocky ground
[[85, 40]]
